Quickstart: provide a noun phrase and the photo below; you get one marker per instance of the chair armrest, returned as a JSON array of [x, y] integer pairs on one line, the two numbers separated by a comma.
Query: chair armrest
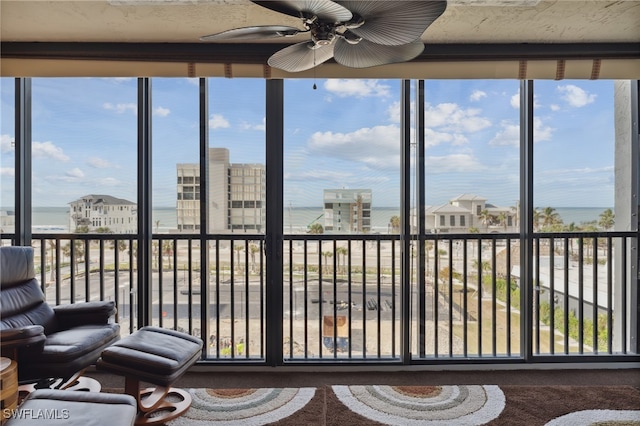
[[99, 312], [14, 338]]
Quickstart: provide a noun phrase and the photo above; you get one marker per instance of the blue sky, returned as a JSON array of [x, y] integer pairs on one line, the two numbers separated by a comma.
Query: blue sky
[[343, 134]]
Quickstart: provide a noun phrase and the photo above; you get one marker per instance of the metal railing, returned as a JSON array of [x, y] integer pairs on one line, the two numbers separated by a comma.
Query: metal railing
[[342, 294]]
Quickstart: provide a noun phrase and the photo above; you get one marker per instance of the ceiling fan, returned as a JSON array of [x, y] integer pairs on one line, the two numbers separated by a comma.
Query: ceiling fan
[[356, 33]]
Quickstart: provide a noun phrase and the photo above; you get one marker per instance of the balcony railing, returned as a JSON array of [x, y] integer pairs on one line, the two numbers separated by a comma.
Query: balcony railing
[[343, 296]]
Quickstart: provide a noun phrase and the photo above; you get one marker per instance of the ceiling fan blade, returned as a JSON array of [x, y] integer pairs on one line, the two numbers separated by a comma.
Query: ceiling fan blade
[[392, 22], [326, 10], [367, 54], [300, 56], [250, 33]]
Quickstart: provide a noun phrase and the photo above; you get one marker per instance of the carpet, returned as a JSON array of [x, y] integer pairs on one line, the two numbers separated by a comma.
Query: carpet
[[415, 405]]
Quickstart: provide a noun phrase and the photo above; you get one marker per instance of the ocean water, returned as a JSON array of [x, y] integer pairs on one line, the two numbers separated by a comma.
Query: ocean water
[[295, 219]]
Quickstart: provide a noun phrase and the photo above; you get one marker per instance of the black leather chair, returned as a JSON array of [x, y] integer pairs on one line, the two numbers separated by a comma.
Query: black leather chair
[[53, 407], [52, 345]]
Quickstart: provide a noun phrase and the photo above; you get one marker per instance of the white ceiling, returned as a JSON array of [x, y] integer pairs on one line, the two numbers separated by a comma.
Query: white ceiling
[[184, 21], [464, 21]]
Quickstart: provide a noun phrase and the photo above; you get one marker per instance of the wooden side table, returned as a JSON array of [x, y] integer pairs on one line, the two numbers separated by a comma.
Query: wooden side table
[[8, 387]]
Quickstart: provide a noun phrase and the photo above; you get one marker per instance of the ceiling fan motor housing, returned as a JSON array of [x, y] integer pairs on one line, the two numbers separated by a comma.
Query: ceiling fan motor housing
[[323, 33]]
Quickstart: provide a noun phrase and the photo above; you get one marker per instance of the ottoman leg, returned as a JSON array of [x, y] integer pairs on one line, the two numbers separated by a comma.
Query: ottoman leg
[[154, 406], [77, 382]]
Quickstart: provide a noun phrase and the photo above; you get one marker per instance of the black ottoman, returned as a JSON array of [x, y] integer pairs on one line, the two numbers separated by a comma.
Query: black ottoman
[[158, 356], [72, 408]]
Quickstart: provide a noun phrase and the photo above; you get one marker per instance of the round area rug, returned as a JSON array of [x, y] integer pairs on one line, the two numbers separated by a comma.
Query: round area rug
[[424, 405], [243, 407], [598, 417]]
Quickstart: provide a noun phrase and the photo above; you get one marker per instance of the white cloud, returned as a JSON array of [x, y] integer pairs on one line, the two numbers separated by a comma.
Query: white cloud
[[110, 182], [452, 163], [540, 131], [554, 107], [121, 108], [433, 138], [48, 150], [6, 143], [358, 88], [515, 100], [581, 171], [99, 163], [7, 171], [510, 133], [477, 95], [161, 111], [393, 111], [262, 126], [217, 121], [119, 79], [74, 174], [314, 175], [575, 96], [450, 116], [376, 147]]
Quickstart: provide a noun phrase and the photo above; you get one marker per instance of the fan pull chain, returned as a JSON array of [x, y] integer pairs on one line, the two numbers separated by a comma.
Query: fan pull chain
[[314, 70]]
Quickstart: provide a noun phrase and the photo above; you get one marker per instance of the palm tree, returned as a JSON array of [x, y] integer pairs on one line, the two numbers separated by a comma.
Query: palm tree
[[394, 222], [326, 255], [167, 250], [485, 218], [315, 228], [154, 263], [122, 246], [537, 218], [607, 219], [428, 245], [516, 213], [502, 219], [253, 249], [78, 252], [52, 246], [550, 217], [341, 252], [571, 228], [238, 248]]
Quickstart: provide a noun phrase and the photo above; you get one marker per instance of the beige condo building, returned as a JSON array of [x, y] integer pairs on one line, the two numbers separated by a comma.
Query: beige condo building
[[236, 195]]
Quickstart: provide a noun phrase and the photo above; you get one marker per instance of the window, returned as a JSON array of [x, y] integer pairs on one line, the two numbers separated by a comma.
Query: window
[[70, 165], [324, 165], [7, 159]]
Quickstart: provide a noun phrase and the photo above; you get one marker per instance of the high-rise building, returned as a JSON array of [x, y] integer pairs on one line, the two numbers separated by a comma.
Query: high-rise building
[[118, 215], [236, 195], [347, 210]]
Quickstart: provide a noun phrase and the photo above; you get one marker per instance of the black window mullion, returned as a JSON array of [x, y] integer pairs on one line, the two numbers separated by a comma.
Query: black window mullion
[[145, 231], [203, 98], [23, 162], [526, 222], [405, 207], [274, 188]]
